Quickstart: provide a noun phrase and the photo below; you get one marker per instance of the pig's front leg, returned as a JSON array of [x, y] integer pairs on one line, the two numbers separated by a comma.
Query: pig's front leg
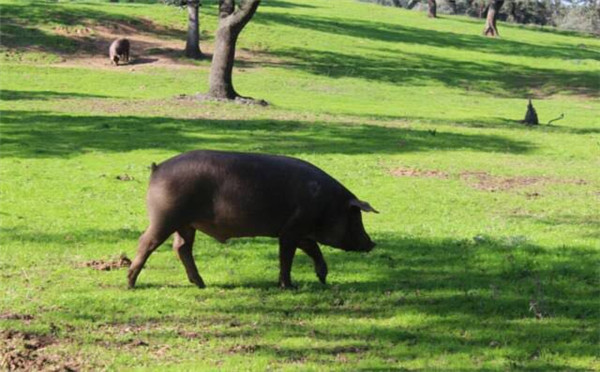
[[182, 245], [311, 248]]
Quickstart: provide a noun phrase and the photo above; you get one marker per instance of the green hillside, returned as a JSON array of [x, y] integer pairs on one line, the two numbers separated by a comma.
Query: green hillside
[[489, 231]]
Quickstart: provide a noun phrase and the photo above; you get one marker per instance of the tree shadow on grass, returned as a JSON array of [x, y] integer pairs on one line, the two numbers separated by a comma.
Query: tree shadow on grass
[[487, 122], [499, 79], [44, 134], [588, 224], [527, 27], [141, 61], [25, 37], [452, 277], [393, 32], [285, 4], [466, 296], [43, 95], [19, 26], [400, 67], [480, 294]]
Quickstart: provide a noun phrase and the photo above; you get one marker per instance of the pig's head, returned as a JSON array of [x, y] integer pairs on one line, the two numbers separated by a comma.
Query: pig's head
[[343, 228]]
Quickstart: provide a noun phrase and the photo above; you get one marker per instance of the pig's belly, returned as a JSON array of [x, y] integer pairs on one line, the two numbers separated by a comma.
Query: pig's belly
[[224, 231]]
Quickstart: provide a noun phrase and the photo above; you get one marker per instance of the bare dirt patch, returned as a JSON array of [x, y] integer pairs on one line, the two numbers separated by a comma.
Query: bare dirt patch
[[482, 180], [102, 265], [146, 49], [532, 195], [239, 100], [413, 172], [485, 181], [26, 351], [243, 349], [349, 349], [151, 45], [15, 316]]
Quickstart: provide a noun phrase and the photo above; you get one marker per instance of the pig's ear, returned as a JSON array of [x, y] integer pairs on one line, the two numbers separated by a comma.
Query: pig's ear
[[362, 205]]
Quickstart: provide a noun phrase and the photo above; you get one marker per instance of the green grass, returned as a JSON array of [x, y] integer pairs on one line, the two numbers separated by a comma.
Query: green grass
[[463, 278]]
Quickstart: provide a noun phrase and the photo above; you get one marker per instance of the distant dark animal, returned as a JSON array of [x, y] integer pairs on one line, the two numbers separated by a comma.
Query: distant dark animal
[[119, 51], [228, 195]]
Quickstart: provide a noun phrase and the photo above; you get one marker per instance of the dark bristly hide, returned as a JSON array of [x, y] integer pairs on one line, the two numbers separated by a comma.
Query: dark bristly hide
[[227, 195]]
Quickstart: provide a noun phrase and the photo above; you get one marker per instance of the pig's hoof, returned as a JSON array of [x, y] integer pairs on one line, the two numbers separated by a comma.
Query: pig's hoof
[[130, 281], [321, 272], [322, 275], [200, 285]]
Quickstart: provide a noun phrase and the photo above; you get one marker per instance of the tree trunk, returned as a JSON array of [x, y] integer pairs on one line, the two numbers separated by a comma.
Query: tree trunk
[[412, 4], [492, 14], [221, 68], [531, 117], [452, 4], [192, 45], [432, 12], [231, 24], [483, 9]]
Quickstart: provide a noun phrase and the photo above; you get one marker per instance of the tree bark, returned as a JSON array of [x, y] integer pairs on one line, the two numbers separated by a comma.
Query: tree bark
[[512, 12], [452, 4], [432, 11], [483, 9], [492, 14], [531, 117], [231, 23], [412, 4], [192, 45]]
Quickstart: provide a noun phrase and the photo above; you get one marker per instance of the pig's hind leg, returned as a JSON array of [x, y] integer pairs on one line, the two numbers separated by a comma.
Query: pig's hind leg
[[182, 245], [149, 241], [287, 250], [311, 248]]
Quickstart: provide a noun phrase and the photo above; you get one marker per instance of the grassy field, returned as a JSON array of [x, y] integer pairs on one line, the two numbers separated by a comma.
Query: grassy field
[[488, 236]]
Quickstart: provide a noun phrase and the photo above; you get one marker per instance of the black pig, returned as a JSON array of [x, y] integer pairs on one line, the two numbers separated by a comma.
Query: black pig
[[228, 195], [119, 51]]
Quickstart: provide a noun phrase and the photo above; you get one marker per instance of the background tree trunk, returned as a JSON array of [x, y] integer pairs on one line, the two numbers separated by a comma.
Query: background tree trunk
[[231, 23], [531, 117], [483, 9], [492, 14], [192, 45], [432, 12], [452, 4], [221, 68], [412, 4]]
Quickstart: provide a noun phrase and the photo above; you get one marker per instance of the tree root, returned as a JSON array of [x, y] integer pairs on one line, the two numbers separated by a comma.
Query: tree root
[[238, 99]]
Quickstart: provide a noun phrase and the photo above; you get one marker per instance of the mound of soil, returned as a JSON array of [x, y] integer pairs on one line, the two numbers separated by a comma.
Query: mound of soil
[[103, 265], [22, 351]]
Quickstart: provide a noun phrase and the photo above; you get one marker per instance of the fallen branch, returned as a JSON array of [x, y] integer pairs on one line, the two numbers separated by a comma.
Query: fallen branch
[[562, 116]]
